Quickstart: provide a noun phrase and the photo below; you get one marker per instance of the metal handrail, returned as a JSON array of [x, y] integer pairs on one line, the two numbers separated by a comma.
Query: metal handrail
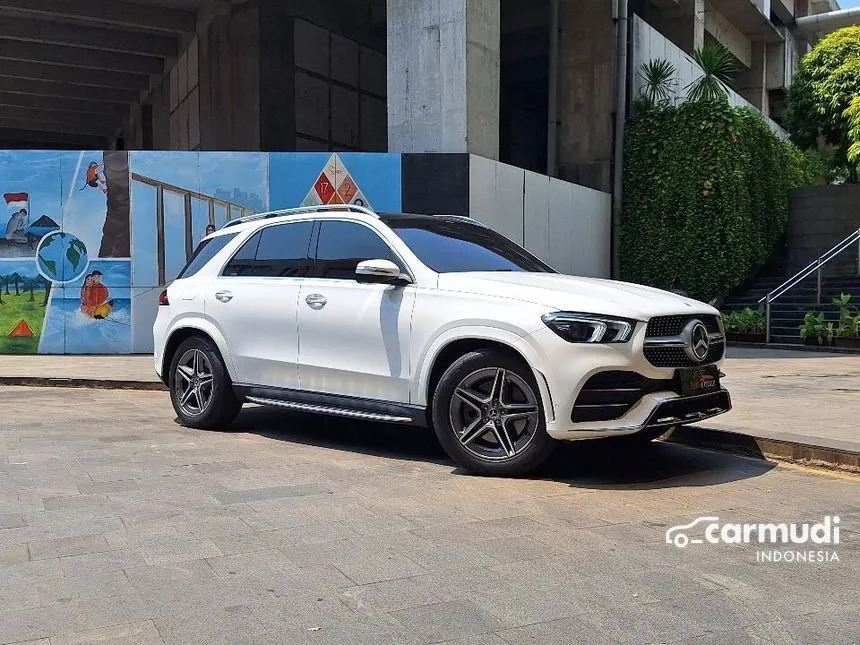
[[321, 208], [814, 266]]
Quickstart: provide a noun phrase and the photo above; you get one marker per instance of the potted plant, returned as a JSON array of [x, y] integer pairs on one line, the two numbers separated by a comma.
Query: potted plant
[[848, 329], [747, 326], [815, 330]]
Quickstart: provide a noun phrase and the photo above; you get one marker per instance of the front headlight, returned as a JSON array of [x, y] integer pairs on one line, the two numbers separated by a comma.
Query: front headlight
[[589, 328]]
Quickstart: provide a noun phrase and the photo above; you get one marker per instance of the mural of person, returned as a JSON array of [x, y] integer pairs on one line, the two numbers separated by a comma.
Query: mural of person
[[16, 228], [95, 177], [95, 297]]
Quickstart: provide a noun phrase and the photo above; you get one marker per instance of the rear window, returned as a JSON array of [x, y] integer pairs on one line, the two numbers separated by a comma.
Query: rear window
[[206, 250]]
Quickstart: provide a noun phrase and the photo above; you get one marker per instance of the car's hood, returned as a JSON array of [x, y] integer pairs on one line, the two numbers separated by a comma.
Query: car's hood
[[569, 293]]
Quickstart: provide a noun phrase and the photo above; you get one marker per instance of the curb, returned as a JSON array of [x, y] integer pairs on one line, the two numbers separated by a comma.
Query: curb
[[94, 384], [761, 448], [822, 349]]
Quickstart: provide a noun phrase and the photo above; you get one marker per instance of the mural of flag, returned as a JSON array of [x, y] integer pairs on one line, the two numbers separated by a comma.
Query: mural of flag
[[17, 200]]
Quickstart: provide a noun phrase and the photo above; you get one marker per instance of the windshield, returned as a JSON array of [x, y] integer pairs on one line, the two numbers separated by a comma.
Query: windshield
[[449, 246]]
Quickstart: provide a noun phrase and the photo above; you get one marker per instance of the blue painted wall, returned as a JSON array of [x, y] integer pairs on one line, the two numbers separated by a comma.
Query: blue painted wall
[[88, 239]]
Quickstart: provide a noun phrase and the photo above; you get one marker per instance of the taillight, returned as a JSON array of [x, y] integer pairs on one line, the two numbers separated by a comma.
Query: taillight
[[162, 299]]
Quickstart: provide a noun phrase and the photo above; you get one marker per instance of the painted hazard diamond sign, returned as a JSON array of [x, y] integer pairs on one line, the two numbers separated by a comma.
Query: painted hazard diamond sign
[[335, 186]]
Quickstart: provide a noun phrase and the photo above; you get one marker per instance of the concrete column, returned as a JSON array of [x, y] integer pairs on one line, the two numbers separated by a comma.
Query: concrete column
[[684, 24], [443, 76], [587, 47], [752, 85]]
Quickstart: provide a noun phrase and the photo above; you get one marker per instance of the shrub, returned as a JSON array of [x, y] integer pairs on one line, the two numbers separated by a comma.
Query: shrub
[[705, 195]]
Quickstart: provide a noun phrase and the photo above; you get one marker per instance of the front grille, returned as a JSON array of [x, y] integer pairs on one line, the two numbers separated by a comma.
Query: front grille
[[663, 326], [674, 325], [610, 395], [677, 357]]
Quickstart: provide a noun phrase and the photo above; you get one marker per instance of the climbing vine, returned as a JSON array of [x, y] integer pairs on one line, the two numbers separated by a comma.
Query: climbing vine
[[705, 195]]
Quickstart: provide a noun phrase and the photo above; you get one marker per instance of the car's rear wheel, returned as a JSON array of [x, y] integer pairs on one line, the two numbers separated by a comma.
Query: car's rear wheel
[[488, 415], [200, 387]]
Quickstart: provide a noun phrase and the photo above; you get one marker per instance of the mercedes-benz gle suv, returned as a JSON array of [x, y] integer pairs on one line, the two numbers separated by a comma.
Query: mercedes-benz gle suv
[[430, 320]]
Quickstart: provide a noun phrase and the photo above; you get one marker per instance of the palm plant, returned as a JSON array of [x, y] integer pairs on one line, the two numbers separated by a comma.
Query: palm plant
[[718, 70], [658, 75]]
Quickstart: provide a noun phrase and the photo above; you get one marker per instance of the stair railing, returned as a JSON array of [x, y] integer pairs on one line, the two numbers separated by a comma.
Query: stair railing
[[813, 267]]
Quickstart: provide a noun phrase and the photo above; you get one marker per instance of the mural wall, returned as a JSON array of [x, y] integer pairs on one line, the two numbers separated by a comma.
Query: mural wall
[[88, 239]]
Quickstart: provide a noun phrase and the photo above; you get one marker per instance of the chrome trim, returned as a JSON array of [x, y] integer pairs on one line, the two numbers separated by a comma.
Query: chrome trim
[[659, 400], [678, 341], [326, 409]]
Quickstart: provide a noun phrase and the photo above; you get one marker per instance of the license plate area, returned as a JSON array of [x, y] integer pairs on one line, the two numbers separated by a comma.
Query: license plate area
[[699, 380]]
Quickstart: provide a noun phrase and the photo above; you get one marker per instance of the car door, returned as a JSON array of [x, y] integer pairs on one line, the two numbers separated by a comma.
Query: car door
[[354, 338], [254, 303]]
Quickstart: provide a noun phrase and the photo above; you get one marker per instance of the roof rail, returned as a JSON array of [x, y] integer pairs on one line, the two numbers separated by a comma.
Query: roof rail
[[322, 208]]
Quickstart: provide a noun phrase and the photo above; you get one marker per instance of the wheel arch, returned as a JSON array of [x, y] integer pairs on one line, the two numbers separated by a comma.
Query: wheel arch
[[189, 329], [447, 350]]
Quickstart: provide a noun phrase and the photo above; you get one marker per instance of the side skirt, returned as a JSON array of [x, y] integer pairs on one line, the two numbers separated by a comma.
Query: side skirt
[[333, 404]]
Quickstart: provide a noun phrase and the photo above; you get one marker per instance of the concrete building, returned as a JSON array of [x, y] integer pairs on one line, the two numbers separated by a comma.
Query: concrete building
[[524, 82]]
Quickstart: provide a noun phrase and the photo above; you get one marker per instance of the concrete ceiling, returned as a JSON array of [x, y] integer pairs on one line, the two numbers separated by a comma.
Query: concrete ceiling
[[69, 69]]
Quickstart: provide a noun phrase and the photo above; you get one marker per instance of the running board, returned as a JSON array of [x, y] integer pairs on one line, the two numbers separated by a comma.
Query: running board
[[334, 411]]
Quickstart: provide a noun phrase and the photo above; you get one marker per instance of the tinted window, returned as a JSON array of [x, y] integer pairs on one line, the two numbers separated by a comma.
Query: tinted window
[[206, 250], [243, 262], [449, 246], [283, 250], [342, 245]]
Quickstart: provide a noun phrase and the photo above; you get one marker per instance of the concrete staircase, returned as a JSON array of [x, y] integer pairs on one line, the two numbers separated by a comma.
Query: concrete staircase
[[787, 313]]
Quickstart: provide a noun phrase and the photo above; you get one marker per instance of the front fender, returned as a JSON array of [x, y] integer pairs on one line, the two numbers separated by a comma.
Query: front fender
[[511, 337]]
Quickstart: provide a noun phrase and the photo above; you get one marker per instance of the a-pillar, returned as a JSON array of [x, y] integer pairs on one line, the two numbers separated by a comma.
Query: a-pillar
[[443, 76]]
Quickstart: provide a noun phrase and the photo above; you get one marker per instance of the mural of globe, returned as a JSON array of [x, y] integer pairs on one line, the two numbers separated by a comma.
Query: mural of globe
[[62, 257]]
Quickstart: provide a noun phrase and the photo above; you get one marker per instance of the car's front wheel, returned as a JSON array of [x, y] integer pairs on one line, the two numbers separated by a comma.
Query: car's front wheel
[[200, 387], [488, 415]]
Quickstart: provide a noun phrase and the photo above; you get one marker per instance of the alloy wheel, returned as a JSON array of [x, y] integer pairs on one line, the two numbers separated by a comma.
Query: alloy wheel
[[494, 413], [194, 382]]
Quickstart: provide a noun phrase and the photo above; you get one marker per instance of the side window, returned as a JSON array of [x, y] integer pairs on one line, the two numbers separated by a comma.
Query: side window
[[206, 250], [342, 245], [242, 264], [283, 251]]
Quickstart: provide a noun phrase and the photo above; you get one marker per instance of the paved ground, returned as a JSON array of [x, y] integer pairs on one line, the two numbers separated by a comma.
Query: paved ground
[[119, 526], [794, 396]]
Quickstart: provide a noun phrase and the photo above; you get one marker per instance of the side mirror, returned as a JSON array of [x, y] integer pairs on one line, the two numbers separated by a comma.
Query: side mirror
[[380, 272]]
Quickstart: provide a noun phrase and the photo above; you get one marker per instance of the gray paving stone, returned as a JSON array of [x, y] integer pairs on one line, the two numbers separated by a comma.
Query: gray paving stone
[[178, 551], [232, 625], [376, 566], [446, 621], [11, 521], [565, 631], [108, 487], [142, 633], [389, 595], [62, 547], [233, 496], [13, 554]]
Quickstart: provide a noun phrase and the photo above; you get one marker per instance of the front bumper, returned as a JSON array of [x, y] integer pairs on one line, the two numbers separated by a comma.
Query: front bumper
[[563, 369]]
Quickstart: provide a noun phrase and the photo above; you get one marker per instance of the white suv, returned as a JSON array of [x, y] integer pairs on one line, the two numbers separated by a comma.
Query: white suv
[[430, 320]]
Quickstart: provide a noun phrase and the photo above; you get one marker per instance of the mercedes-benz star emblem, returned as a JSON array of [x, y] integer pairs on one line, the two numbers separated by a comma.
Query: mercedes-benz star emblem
[[698, 341]]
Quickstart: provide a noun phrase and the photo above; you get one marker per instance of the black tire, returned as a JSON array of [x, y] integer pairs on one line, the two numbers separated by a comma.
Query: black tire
[[529, 450], [223, 406]]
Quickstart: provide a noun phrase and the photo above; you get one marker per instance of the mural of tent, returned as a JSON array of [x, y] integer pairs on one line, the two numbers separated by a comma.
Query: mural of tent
[[22, 330]]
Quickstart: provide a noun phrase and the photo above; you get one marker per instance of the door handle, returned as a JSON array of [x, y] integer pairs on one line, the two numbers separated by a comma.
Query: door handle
[[224, 296], [316, 301]]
